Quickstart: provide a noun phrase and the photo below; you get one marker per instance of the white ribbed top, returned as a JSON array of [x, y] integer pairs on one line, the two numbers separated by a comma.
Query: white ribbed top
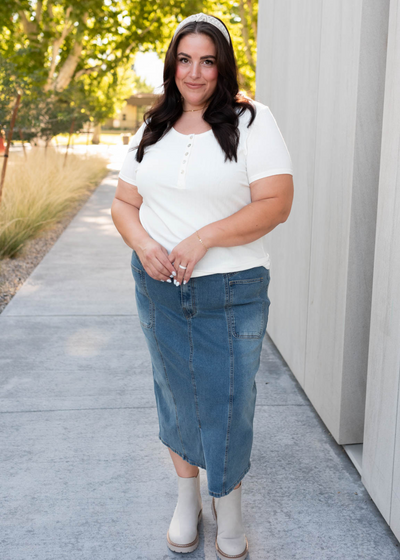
[[185, 185]]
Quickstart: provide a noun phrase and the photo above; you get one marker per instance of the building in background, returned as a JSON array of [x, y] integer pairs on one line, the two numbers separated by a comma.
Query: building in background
[[131, 115]]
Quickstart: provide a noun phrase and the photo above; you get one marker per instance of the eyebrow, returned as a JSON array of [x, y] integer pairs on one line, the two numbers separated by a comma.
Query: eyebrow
[[188, 55]]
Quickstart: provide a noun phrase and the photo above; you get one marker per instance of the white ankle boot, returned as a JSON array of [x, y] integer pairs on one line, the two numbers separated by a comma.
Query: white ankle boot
[[230, 542], [183, 535]]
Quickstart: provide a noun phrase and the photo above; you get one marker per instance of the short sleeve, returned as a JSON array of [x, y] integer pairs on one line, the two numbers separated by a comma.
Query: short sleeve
[[267, 153], [130, 165]]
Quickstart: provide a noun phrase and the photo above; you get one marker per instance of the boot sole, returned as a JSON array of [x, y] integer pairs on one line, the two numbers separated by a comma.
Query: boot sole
[[184, 548], [221, 555]]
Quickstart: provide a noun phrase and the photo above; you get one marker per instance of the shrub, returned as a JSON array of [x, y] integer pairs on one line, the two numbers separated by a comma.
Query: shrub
[[39, 190]]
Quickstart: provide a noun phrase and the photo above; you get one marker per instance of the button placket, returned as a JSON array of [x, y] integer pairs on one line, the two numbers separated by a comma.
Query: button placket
[[183, 167]]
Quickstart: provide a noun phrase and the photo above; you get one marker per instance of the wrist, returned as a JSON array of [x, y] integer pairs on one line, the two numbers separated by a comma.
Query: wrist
[[140, 242], [200, 240], [207, 235]]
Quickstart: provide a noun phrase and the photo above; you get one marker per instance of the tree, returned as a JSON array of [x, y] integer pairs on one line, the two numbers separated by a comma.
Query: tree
[[81, 49], [68, 39], [41, 114], [64, 40], [85, 49], [240, 16]]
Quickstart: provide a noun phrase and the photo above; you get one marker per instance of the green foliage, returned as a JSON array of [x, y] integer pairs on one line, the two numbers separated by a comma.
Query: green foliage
[[140, 86], [8, 92], [72, 59], [240, 17], [84, 49], [67, 39], [41, 114]]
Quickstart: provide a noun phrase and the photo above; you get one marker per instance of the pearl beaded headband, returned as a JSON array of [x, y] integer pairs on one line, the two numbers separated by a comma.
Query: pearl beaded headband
[[208, 19]]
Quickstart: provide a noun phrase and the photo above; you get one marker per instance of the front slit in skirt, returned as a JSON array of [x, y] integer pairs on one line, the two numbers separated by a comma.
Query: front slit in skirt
[[205, 340]]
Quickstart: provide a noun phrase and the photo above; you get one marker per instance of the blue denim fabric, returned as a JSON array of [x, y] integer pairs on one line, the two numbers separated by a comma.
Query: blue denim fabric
[[205, 340]]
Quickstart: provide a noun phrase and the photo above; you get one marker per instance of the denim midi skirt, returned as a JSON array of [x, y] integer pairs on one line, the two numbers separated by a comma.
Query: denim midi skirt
[[205, 340]]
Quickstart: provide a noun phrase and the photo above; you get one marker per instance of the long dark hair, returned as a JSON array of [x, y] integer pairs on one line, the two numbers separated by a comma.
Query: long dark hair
[[225, 105]]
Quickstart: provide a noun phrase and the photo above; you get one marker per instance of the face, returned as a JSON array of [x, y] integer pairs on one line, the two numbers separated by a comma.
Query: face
[[197, 65]]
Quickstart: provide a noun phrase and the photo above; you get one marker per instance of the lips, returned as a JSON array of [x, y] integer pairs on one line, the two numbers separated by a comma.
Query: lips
[[194, 86]]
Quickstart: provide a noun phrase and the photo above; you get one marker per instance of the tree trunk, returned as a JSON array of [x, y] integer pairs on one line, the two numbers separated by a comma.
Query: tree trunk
[[67, 71], [57, 43], [71, 130], [10, 133], [23, 143], [55, 48], [96, 134]]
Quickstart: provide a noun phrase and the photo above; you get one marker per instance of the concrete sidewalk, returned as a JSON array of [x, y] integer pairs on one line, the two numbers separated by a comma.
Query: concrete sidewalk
[[83, 473]]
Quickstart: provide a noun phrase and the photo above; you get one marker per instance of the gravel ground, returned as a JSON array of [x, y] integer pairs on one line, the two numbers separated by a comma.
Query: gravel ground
[[14, 272]]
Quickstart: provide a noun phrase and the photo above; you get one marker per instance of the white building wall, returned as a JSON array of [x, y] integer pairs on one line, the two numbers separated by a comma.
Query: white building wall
[[330, 72], [289, 35], [381, 449], [320, 68]]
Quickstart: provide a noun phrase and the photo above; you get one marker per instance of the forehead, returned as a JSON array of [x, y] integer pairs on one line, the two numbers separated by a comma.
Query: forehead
[[196, 43]]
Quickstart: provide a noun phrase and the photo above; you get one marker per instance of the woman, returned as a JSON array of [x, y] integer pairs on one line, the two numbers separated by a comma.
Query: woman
[[207, 175]]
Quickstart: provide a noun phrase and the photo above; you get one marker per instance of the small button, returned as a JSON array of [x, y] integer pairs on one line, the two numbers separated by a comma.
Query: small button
[[184, 161], [182, 171], [191, 136], [186, 153], [189, 145]]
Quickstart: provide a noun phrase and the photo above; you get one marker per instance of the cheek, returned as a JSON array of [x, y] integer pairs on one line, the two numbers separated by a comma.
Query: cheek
[[180, 72], [212, 74]]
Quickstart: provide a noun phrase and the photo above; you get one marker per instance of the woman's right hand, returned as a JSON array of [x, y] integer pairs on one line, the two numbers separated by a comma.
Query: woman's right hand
[[154, 258]]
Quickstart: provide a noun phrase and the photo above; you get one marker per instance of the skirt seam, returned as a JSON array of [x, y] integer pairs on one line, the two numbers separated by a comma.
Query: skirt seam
[[231, 380], [191, 368], [169, 385]]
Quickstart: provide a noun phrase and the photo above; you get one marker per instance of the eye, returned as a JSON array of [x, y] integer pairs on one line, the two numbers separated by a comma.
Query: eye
[[211, 62], [182, 59]]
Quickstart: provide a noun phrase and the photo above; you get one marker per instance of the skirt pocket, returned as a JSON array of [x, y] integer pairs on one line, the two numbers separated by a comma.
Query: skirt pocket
[[249, 306], [145, 306]]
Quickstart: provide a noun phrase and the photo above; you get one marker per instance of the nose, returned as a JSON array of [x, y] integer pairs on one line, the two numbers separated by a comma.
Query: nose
[[195, 70]]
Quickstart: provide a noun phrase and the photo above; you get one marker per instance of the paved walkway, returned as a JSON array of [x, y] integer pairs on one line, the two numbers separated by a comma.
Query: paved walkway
[[83, 474]]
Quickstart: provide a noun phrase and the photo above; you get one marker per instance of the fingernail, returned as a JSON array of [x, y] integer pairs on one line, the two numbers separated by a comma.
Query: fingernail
[[174, 281], [184, 281], [173, 273], [171, 276], [169, 280], [162, 280], [178, 283]]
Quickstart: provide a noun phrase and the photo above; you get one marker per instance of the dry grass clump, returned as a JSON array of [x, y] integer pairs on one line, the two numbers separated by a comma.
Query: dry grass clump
[[39, 190]]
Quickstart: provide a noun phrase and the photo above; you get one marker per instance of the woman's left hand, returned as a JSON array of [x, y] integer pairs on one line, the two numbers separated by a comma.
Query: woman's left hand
[[187, 253]]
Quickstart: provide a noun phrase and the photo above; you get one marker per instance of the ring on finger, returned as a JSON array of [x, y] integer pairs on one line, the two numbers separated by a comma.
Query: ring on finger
[[180, 266]]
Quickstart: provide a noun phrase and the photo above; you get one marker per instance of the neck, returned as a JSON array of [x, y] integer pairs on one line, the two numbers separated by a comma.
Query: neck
[[192, 110], [188, 107]]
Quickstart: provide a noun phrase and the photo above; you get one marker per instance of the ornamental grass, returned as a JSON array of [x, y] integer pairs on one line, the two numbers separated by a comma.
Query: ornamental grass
[[39, 189]]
